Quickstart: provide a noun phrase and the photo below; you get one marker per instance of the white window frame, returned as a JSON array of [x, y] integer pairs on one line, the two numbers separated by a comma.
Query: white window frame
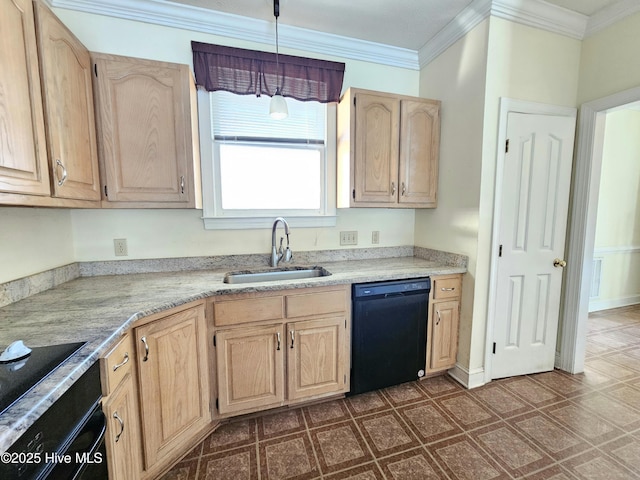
[[215, 218]]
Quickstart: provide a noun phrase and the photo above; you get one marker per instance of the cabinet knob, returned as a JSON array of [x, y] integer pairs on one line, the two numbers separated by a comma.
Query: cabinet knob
[[393, 188], [404, 189]]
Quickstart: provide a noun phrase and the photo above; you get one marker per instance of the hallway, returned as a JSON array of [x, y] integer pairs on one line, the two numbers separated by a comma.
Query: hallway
[[546, 426]]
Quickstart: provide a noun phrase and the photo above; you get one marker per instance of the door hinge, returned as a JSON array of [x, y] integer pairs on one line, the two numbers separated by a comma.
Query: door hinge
[[345, 323], [217, 406], [95, 69], [353, 193], [500, 251], [494, 348], [345, 379], [214, 340], [106, 194], [354, 101], [506, 149]]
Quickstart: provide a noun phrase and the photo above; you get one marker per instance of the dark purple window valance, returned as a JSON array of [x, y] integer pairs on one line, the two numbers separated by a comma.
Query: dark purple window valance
[[251, 72]]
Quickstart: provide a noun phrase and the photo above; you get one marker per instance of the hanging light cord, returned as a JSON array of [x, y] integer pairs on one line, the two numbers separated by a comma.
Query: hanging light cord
[[276, 13]]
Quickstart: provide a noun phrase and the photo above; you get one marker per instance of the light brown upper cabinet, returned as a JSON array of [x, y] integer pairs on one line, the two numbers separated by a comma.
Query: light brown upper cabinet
[[388, 149], [65, 70], [48, 154], [23, 157], [148, 133]]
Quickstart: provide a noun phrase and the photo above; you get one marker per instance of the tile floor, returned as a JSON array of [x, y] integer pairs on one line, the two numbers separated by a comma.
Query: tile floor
[[545, 426]]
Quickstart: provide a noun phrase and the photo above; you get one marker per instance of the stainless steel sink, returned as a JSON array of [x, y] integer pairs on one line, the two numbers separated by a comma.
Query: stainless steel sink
[[290, 273]]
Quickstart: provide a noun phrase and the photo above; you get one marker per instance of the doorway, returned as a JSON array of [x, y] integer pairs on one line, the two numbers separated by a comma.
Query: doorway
[[582, 227]]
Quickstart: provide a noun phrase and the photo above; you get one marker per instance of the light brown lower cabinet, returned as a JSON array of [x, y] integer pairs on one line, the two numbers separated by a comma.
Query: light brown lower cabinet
[[444, 320], [267, 364], [173, 384], [124, 458], [120, 407]]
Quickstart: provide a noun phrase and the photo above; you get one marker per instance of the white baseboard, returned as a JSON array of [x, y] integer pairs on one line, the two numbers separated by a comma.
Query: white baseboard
[[597, 305], [470, 379]]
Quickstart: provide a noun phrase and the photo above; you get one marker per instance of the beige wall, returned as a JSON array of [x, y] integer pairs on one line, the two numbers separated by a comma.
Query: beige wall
[[33, 240], [497, 59], [617, 240], [36, 240], [457, 78], [609, 62]]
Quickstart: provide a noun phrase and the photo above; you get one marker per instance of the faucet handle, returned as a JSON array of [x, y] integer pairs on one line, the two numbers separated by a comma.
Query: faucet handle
[[288, 255]]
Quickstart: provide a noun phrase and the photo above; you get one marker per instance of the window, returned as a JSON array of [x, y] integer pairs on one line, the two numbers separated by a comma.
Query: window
[[255, 168]]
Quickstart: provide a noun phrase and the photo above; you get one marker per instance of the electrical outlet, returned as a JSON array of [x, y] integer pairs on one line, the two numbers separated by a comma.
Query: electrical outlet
[[375, 237], [349, 238], [120, 247]]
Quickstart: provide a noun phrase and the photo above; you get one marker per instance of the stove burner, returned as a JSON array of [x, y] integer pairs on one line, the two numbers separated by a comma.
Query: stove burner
[[18, 377]]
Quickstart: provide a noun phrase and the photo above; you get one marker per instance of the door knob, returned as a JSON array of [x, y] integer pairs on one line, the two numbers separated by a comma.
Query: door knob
[[559, 263]]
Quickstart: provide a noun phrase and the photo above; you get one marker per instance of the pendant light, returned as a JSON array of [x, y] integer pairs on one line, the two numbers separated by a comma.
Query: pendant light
[[278, 107]]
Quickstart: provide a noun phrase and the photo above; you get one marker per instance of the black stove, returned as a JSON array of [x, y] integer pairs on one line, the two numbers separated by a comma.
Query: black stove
[[17, 378]]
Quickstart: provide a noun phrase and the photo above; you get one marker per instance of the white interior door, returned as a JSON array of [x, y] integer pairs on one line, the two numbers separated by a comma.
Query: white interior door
[[534, 201]]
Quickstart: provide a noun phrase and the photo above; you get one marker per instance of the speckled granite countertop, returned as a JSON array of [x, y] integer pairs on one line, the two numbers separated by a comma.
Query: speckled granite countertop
[[98, 310]]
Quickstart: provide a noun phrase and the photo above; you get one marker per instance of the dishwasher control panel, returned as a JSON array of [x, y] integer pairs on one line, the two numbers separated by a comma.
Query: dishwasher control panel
[[413, 285]]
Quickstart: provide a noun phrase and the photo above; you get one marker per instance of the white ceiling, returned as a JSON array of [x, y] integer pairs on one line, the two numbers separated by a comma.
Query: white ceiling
[[400, 23]]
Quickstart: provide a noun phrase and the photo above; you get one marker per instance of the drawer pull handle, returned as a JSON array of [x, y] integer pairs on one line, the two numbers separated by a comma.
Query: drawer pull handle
[[393, 188], [438, 313], [293, 337], [278, 338], [117, 417], [448, 289], [146, 349], [182, 184], [123, 363], [404, 189]]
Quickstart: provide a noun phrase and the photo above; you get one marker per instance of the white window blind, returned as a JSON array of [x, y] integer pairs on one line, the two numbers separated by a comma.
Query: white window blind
[[246, 117]]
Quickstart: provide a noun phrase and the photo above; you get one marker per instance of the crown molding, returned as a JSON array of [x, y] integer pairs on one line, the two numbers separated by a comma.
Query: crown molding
[[542, 15], [464, 22], [534, 13], [610, 15], [160, 12]]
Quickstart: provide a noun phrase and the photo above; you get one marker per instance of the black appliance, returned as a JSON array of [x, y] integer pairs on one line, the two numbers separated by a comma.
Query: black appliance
[[67, 441], [389, 333]]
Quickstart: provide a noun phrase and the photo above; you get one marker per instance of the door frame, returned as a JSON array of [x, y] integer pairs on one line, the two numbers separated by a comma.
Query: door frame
[[508, 105], [582, 224]]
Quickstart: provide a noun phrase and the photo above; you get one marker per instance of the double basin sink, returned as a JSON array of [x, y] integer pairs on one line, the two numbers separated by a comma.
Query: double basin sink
[[288, 273]]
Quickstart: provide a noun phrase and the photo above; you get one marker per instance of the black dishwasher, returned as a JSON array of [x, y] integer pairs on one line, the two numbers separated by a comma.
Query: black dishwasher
[[389, 333]]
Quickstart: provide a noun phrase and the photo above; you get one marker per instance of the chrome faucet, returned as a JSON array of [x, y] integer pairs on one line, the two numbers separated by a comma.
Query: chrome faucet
[[279, 254]]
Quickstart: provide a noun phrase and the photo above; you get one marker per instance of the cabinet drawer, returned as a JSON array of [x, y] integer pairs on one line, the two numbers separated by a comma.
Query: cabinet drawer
[[315, 303], [116, 364], [233, 312], [446, 288]]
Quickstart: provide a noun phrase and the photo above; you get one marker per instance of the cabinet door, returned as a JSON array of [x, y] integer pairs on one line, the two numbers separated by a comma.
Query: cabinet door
[[250, 363], [65, 68], [124, 457], [144, 122], [419, 151], [23, 155], [173, 380], [444, 334], [376, 148], [316, 357]]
